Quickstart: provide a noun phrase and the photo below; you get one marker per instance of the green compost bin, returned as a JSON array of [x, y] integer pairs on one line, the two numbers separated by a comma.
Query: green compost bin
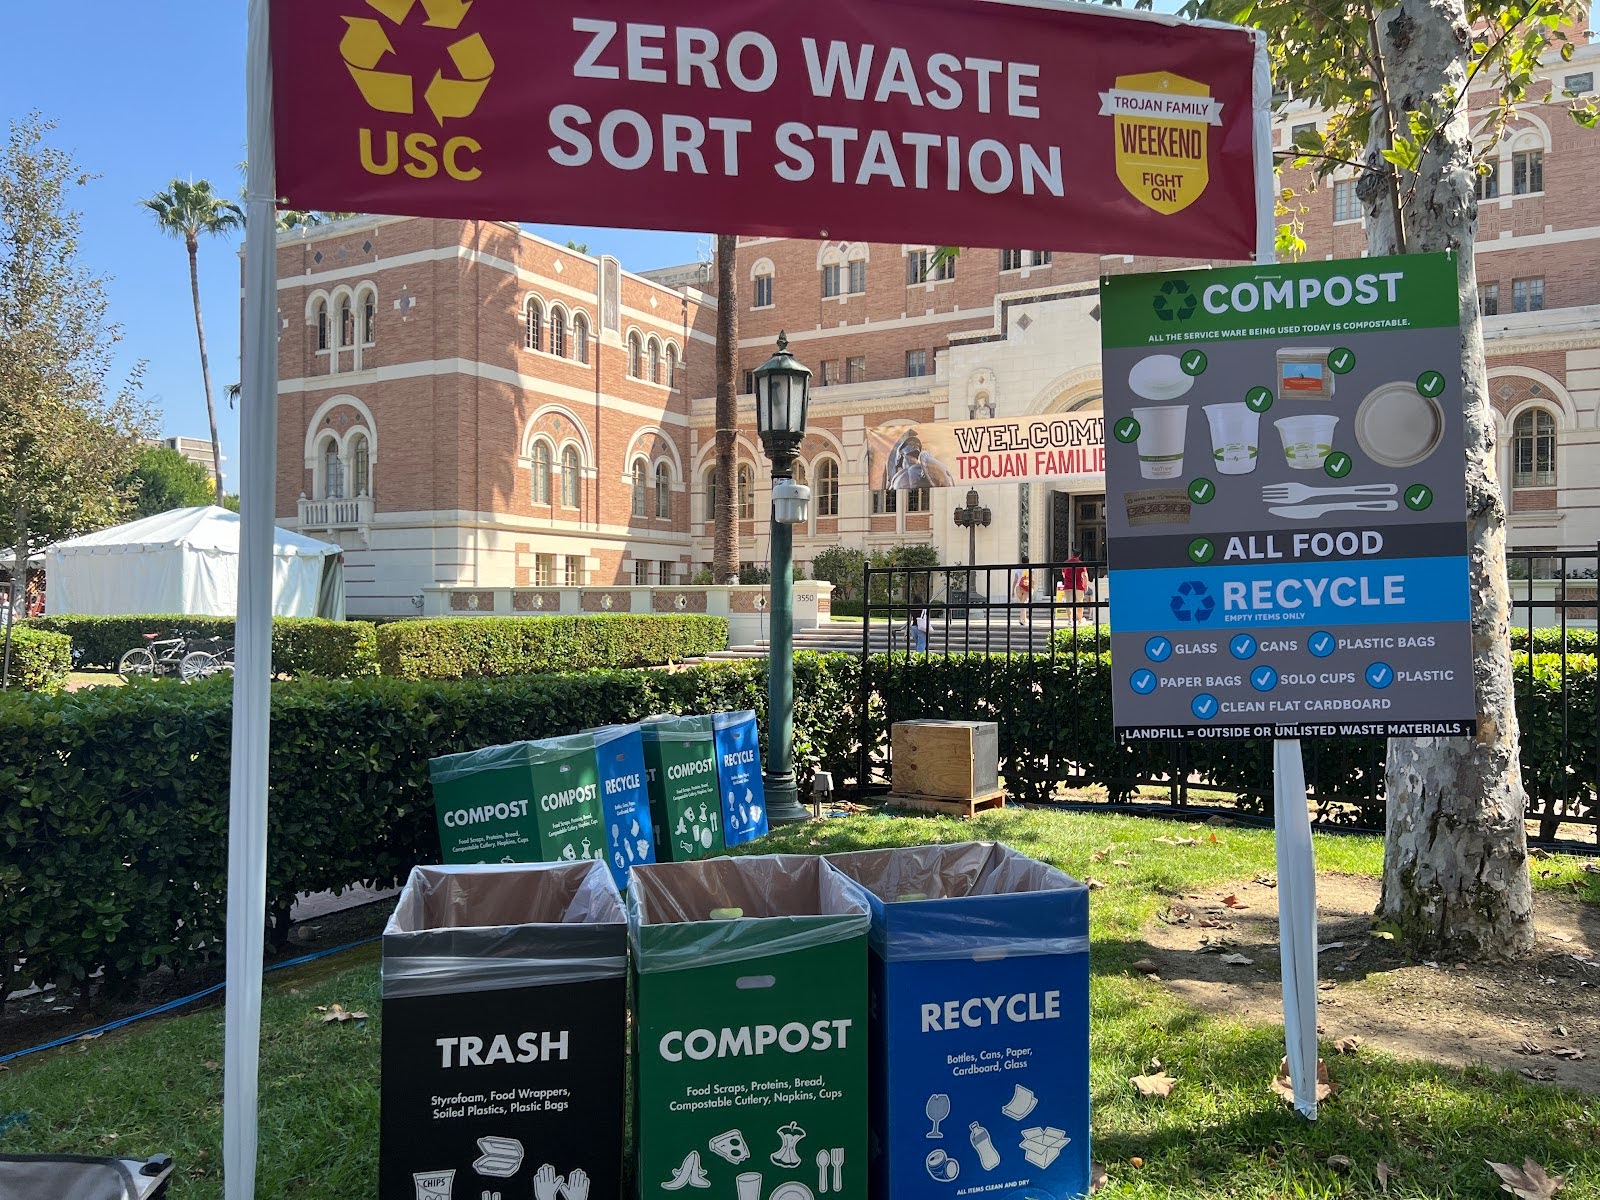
[[523, 802], [680, 758], [750, 988]]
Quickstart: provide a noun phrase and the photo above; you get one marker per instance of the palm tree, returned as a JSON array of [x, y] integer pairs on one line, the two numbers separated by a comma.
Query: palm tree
[[186, 210], [725, 540]]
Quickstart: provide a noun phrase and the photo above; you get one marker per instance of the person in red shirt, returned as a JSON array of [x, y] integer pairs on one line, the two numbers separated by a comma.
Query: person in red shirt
[[1078, 587]]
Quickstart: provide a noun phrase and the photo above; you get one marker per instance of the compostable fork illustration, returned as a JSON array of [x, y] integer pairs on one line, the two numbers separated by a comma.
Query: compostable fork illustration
[[1294, 493]]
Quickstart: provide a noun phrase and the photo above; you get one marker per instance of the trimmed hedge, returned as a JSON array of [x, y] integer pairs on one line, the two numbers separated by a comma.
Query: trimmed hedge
[[486, 647], [40, 660], [114, 801], [300, 645]]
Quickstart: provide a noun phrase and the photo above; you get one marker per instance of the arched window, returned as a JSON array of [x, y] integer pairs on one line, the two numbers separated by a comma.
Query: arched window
[[763, 296], [360, 466], [663, 491], [672, 366], [571, 476], [747, 494], [369, 318], [1533, 449], [635, 357], [580, 337], [533, 335], [558, 331], [711, 495], [655, 361], [347, 323], [640, 485], [541, 472], [332, 470], [322, 325], [827, 488]]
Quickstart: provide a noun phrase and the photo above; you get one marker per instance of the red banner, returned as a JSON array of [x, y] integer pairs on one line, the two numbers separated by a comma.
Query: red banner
[[966, 122]]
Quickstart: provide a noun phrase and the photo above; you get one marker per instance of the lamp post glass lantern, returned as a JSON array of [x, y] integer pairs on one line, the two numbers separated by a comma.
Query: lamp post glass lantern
[[783, 390]]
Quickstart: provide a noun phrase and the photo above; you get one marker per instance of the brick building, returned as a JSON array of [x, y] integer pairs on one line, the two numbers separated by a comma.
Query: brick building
[[546, 417]]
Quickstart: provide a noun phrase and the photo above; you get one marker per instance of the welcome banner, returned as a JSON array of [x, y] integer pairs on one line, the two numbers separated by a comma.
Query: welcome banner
[[1068, 448], [982, 122]]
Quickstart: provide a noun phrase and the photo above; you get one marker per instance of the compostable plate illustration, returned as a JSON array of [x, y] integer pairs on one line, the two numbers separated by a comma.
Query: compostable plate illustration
[[1397, 426]]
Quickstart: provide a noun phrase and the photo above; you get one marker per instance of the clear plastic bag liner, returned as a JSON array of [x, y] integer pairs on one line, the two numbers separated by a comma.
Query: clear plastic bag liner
[[448, 767], [968, 900], [604, 735], [730, 720], [490, 927], [790, 902], [675, 728]]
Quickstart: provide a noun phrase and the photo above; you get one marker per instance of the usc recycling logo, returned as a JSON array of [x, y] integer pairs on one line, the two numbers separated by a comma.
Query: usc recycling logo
[[1160, 121], [373, 63]]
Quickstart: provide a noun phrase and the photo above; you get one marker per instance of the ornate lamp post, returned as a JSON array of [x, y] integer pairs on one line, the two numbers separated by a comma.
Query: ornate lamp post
[[971, 517], [783, 389]]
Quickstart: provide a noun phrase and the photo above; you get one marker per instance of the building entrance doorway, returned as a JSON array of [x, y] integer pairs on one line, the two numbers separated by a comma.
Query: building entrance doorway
[[1077, 526]]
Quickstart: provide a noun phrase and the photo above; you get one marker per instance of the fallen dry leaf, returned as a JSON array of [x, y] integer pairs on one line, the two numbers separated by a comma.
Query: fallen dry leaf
[[1325, 985], [1571, 1053], [1238, 960], [1094, 884], [1175, 914], [1554, 936], [1155, 1064], [1529, 1047], [338, 1012], [1590, 868], [1538, 853], [1538, 1074], [1146, 966], [1097, 1177], [1233, 901], [1341, 1161], [1528, 1181], [1165, 841], [1214, 840], [1187, 842], [1284, 1086], [1120, 862], [1384, 1172], [1158, 1085], [1266, 880], [1211, 944], [1347, 1045], [1100, 855], [1136, 1161]]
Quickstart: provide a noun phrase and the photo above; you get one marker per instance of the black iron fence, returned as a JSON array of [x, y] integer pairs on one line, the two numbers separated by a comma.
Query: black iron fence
[[1028, 645]]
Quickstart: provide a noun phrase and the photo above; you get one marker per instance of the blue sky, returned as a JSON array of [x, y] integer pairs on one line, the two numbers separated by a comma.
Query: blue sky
[[145, 92]]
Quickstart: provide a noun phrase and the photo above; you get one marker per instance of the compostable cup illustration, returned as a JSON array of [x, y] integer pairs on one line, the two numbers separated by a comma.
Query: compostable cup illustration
[[1161, 434], [1307, 440], [1235, 437]]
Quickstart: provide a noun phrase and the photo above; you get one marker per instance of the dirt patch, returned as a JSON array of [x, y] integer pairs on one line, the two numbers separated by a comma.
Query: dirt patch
[[1536, 1017]]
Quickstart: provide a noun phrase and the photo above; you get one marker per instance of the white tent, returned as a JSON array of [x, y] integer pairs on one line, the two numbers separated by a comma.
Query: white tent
[[187, 561]]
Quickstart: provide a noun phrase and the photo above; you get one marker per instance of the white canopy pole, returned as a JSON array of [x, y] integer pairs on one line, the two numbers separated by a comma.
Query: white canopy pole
[[247, 811], [1297, 921]]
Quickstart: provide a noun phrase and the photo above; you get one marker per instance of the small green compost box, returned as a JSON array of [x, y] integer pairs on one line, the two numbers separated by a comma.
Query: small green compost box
[[523, 802], [504, 1028], [750, 1013], [680, 758]]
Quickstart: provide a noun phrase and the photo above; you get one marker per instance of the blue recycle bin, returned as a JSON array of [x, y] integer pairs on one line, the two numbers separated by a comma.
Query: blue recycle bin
[[979, 978], [744, 800], [625, 799]]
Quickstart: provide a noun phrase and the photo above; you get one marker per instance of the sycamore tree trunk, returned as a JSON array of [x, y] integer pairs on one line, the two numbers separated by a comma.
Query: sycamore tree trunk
[[1455, 872], [725, 542], [205, 365]]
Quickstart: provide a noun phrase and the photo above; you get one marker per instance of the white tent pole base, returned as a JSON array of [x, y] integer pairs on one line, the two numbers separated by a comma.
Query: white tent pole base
[[1297, 921]]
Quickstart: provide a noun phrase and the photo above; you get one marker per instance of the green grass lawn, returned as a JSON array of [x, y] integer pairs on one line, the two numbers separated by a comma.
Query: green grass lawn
[[1222, 1133]]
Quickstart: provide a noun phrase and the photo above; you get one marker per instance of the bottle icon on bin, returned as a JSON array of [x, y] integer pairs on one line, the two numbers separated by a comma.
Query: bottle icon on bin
[[988, 1156]]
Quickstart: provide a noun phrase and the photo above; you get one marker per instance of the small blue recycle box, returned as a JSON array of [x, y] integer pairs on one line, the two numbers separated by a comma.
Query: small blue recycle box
[[979, 977]]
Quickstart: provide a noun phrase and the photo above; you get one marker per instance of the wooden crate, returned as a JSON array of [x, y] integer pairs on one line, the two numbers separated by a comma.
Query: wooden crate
[[968, 806], [946, 760]]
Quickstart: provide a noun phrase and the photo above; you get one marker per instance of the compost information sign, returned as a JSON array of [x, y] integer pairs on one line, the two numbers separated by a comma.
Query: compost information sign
[[1286, 501]]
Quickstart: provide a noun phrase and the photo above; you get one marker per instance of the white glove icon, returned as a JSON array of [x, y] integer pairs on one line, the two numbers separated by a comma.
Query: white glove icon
[[546, 1186], [577, 1184]]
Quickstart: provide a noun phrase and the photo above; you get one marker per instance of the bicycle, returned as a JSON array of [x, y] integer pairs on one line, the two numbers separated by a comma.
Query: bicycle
[[179, 656]]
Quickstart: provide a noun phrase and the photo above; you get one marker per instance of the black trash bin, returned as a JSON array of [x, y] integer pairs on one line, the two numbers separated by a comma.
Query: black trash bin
[[504, 1024]]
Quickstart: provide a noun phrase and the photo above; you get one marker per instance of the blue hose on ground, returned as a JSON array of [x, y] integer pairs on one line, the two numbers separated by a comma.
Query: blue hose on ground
[[159, 1009]]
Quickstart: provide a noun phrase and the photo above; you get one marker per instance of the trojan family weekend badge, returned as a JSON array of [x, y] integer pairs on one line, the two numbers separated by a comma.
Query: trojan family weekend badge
[[1160, 124]]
